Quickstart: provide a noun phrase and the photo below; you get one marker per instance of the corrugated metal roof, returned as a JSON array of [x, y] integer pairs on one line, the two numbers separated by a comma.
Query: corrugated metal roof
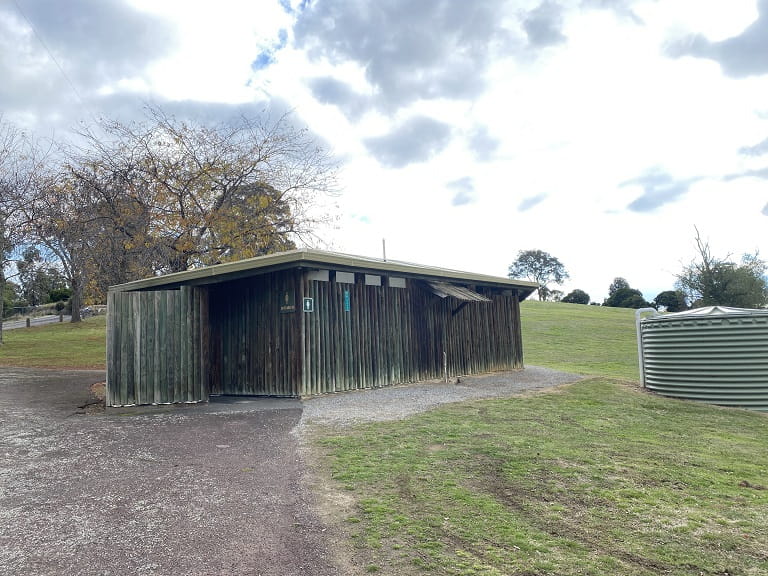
[[444, 289], [320, 259], [707, 312]]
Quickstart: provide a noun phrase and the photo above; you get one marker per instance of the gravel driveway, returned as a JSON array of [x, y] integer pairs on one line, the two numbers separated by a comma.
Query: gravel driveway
[[401, 401], [217, 488]]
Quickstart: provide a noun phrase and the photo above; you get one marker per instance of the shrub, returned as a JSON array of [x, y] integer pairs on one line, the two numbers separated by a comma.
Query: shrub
[[576, 297], [59, 294]]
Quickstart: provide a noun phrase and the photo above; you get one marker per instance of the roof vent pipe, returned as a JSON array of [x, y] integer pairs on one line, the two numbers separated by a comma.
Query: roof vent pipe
[[638, 317]]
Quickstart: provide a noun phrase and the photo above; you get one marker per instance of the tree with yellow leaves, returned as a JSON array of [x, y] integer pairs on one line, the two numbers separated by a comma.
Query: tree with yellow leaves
[[164, 195], [192, 195]]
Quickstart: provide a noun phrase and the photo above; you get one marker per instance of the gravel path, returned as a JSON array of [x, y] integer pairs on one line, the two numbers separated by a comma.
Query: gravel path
[[219, 488], [398, 402], [189, 490]]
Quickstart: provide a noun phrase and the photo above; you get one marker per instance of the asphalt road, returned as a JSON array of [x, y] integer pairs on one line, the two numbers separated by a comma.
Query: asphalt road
[[192, 490]]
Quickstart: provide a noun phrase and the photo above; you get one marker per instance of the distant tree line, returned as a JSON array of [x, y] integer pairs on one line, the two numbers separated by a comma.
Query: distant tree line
[[36, 282], [706, 281], [131, 200]]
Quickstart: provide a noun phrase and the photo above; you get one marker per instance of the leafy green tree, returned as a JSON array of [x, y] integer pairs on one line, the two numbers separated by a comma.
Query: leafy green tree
[[576, 297], [59, 295], [540, 267], [617, 284], [671, 301], [621, 295], [712, 281], [37, 277], [10, 297]]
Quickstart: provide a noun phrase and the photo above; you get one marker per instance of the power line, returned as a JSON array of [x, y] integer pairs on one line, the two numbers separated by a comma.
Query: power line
[[53, 58]]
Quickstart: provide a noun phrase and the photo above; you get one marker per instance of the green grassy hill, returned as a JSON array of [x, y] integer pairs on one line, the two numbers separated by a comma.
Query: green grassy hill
[[569, 337], [582, 339], [598, 477]]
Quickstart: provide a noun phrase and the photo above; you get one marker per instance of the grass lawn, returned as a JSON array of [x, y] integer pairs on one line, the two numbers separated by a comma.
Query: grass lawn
[[598, 477], [582, 339], [595, 478], [80, 345]]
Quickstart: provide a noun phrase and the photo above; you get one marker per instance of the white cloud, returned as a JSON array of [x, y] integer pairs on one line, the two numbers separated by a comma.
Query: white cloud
[[553, 133], [217, 46], [674, 18]]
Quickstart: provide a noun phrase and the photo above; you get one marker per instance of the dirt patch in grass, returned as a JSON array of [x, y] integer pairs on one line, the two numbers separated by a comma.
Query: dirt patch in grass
[[336, 508], [595, 478]]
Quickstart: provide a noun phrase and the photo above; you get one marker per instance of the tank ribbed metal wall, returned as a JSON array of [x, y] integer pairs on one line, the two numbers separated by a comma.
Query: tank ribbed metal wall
[[715, 355]]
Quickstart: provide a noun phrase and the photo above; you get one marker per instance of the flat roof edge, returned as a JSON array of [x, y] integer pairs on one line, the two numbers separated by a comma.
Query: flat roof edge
[[303, 257]]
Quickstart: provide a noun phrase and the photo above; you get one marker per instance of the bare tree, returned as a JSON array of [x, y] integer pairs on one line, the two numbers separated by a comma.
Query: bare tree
[[712, 281], [20, 160], [194, 195], [60, 218], [117, 241], [163, 195]]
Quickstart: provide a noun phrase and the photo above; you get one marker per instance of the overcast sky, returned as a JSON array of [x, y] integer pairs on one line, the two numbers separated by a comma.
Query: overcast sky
[[601, 131]]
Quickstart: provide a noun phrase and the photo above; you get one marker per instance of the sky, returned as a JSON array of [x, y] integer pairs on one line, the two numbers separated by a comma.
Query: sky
[[605, 132]]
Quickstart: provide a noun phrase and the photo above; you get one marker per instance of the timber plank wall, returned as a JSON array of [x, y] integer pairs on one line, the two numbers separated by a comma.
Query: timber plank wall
[[255, 340], [252, 337], [381, 336], [157, 347]]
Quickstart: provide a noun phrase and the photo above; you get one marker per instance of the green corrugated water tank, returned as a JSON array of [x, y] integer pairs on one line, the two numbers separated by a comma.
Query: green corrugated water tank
[[716, 355]]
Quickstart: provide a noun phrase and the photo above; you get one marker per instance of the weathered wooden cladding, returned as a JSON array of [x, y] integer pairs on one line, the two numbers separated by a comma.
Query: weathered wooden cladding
[[395, 335], [250, 334], [157, 344], [254, 346], [388, 336]]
